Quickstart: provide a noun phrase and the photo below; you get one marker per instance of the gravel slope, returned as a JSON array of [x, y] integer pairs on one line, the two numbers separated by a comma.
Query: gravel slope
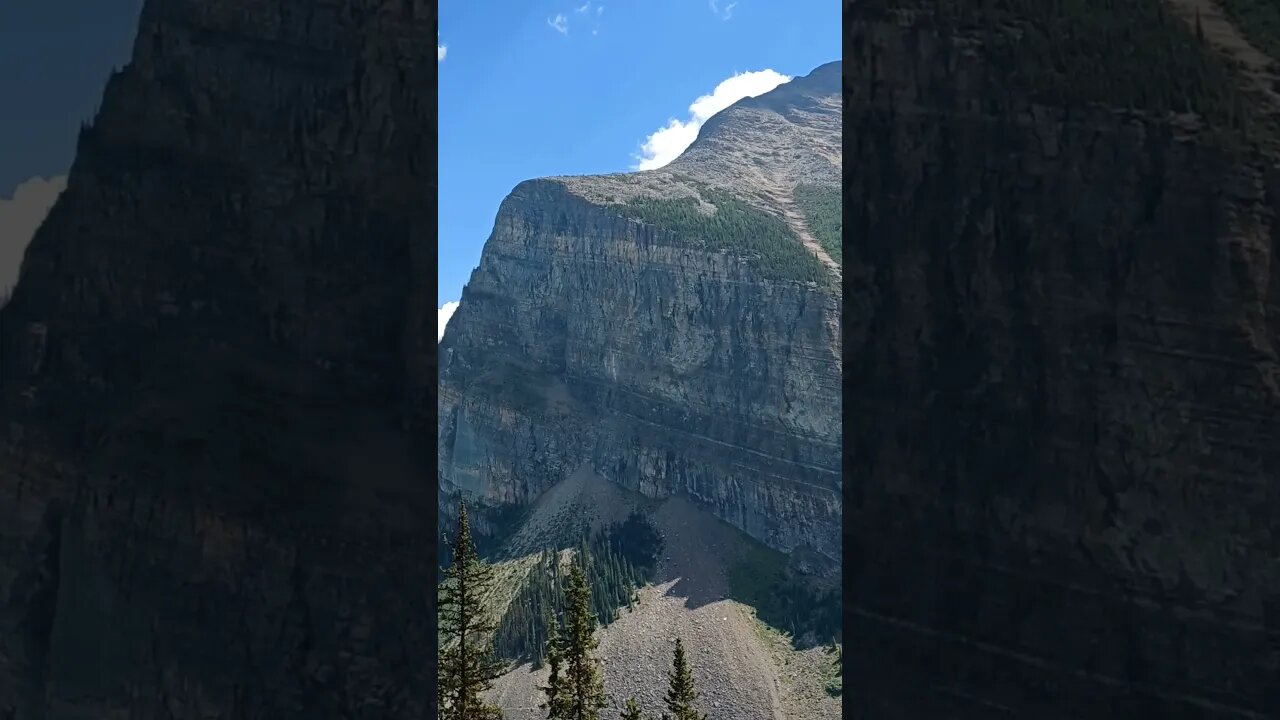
[[743, 670]]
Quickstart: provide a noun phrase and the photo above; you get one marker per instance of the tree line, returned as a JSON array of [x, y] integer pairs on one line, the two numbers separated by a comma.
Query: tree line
[[764, 239], [617, 562], [575, 684], [822, 207], [1121, 53], [522, 633]]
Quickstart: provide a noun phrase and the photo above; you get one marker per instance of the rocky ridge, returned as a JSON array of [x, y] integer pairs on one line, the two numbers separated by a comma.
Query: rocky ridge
[[587, 335], [211, 372], [1062, 489]]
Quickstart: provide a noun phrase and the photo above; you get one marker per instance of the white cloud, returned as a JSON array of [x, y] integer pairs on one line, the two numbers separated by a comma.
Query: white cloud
[[725, 13], [666, 143], [20, 217], [442, 317], [560, 23], [441, 51], [584, 7]]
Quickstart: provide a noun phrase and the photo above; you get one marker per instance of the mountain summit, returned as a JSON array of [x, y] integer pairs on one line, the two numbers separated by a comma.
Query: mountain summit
[[666, 345], [786, 137], [675, 330], [210, 505]]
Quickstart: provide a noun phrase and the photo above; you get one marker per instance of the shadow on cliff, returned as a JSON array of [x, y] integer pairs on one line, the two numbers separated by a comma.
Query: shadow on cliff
[[708, 561], [808, 616]]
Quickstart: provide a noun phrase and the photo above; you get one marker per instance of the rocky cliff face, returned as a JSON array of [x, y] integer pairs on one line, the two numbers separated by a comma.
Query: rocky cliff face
[[1064, 461], [660, 349], [210, 505]]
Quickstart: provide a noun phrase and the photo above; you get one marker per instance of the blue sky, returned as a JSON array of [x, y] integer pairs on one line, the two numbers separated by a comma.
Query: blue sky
[[530, 88], [55, 57]]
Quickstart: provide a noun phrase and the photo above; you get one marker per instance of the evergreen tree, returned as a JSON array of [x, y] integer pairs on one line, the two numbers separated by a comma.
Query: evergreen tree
[[680, 693], [835, 683], [585, 683], [557, 706], [611, 578], [466, 664], [631, 711]]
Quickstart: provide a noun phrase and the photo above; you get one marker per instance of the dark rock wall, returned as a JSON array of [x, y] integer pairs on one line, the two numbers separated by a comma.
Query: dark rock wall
[[213, 367], [584, 337], [1063, 471]]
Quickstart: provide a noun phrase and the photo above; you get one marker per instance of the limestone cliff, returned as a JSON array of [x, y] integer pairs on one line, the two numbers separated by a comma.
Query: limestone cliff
[[209, 502], [677, 330], [1064, 309]]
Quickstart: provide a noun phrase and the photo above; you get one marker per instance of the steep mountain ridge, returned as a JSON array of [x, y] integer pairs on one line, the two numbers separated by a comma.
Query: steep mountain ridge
[[1062, 489], [666, 327], [211, 372], [783, 138]]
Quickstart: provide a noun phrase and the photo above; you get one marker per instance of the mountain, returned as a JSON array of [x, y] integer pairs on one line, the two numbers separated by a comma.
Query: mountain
[[212, 372], [675, 330], [667, 343], [20, 215], [1063, 449]]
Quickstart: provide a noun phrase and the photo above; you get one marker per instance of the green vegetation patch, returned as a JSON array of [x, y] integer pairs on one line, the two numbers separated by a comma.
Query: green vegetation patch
[[762, 238], [834, 683], [1258, 21], [821, 206], [1117, 53], [637, 541], [783, 600], [611, 576]]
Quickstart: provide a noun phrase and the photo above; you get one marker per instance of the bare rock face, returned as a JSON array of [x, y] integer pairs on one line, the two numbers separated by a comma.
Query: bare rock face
[[210, 501], [670, 363], [1064, 456]]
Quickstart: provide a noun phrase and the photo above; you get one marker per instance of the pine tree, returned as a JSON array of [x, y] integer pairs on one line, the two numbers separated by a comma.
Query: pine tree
[[612, 581], [585, 683], [557, 705], [631, 711], [680, 693], [835, 684], [466, 665]]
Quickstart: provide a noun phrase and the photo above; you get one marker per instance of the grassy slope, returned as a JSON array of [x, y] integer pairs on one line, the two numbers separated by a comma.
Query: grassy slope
[[762, 238]]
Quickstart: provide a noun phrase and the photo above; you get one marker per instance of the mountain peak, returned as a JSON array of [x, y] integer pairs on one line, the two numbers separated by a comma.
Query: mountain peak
[[821, 82], [782, 138]]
